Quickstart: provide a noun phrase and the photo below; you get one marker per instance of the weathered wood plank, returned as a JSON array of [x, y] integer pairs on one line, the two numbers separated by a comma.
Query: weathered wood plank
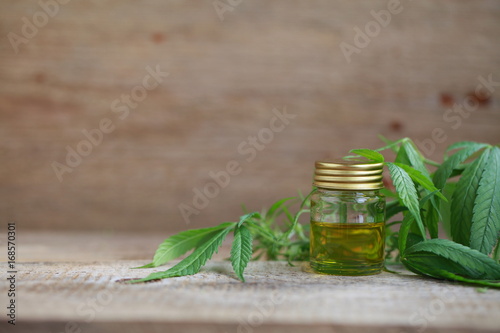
[[66, 282], [225, 78], [275, 295]]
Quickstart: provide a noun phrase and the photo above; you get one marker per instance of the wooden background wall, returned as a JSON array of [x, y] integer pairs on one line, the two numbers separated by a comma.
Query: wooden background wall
[[225, 78]]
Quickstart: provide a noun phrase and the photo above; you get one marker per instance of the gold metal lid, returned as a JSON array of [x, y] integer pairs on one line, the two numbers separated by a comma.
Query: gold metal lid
[[348, 165], [348, 175], [334, 172]]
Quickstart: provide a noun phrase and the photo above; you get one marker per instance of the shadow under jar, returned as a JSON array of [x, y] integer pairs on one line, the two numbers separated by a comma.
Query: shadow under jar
[[347, 219]]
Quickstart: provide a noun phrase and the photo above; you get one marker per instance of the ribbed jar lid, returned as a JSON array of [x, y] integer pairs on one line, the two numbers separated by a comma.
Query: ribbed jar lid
[[348, 175]]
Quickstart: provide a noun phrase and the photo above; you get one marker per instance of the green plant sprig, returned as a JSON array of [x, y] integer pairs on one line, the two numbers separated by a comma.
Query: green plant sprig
[[469, 208], [473, 216], [275, 233]]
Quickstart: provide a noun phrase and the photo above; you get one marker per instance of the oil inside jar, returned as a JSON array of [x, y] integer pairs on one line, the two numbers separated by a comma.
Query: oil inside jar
[[347, 248]]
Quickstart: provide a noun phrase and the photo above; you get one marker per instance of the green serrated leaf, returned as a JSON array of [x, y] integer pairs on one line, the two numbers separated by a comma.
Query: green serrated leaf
[[407, 192], [485, 227], [402, 157], [248, 217], [393, 210], [393, 145], [437, 272], [241, 251], [422, 180], [428, 203], [425, 200], [432, 216], [416, 159], [372, 155], [446, 169], [293, 226], [192, 263], [463, 198], [404, 231], [420, 175], [178, 244], [413, 239], [388, 194], [277, 205], [463, 144], [456, 258]]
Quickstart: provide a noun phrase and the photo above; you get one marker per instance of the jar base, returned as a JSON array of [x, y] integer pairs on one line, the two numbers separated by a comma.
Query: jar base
[[349, 269]]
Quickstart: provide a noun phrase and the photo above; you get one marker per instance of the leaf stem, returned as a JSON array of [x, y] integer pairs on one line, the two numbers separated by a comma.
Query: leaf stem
[[431, 162]]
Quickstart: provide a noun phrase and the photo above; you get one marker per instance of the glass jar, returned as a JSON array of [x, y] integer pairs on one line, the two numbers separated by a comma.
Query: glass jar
[[347, 219]]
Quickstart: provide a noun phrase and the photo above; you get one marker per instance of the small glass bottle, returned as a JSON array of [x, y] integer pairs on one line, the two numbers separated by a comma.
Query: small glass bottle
[[347, 219]]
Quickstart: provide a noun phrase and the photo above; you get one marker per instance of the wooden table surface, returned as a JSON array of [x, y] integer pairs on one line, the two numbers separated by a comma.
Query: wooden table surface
[[67, 282]]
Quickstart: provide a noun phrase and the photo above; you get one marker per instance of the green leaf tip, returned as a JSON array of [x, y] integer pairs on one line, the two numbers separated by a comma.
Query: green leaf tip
[[485, 229], [193, 263], [178, 244], [241, 250], [369, 154], [464, 198], [407, 192], [248, 217]]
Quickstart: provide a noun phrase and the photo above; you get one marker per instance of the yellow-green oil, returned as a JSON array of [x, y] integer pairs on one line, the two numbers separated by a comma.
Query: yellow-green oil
[[347, 248]]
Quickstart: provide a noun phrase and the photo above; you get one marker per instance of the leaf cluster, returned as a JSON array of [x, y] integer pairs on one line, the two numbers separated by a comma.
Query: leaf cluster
[[470, 210], [462, 194], [276, 232]]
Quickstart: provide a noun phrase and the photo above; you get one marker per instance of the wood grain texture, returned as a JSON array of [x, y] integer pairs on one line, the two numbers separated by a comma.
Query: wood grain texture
[[225, 78], [66, 282], [275, 295]]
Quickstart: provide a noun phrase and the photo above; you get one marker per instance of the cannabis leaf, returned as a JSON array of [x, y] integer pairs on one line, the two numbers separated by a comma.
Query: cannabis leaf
[[431, 208], [392, 210], [177, 245], [415, 158], [486, 213], [407, 192], [462, 144], [247, 217], [424, 257], [290, 243], [192, 263], [463, 199], [422, 180], [415, 161], [469, 208], [407, 224], [402, 156], [445, 170], [241, 251], [369, 154], [404, 230], [275, 207]]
